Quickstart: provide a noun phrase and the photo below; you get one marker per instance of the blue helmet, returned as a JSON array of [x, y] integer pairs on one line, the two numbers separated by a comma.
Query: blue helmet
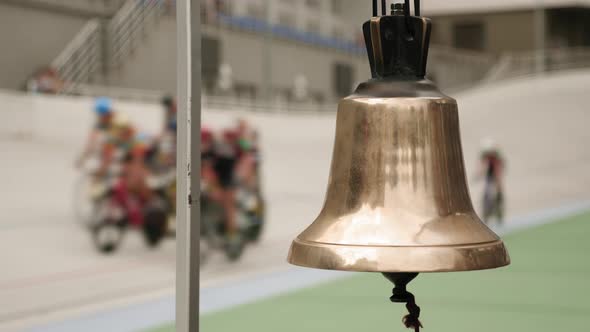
[[103, 106], [143, 137]]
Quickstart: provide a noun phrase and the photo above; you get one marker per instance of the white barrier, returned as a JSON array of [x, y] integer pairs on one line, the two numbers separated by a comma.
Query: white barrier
[[16, 115], [64, 118]]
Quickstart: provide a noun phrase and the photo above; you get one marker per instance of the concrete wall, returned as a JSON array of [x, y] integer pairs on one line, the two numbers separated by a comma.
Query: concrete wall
[[290, 60], [356, 12], [504, 31], [153, 64], [89, 8], [31, 38]]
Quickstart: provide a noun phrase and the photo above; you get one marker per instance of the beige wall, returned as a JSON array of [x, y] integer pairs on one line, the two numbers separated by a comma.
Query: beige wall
[[356, 12], [153, 64], [505, 31], [88, 8], [31, 38], [290, 60]]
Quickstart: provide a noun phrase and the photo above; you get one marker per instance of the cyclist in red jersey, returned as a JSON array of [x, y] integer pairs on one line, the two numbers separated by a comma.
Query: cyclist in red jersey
[[492, 169]]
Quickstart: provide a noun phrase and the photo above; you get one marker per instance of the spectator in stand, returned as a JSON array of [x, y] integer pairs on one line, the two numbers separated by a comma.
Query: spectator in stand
[[46, 80], [221, 6], [210, 10]]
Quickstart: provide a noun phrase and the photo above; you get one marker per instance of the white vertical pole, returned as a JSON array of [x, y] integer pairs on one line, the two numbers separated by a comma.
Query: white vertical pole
[[188, 165]]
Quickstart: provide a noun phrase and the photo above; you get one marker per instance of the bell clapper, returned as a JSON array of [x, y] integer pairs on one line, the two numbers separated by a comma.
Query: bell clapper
[[401, 295]]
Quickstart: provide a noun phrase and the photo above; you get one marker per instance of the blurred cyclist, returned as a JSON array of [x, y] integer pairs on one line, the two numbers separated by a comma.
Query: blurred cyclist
[[167, 139], [103, 107], [117, 145], [132, 190], [169, 104], [246, 136], [226, 157], [249, 153], [209, 179], [492, 169]]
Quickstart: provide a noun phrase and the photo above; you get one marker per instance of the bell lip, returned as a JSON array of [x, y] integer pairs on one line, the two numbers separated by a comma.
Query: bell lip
[[423, 259]]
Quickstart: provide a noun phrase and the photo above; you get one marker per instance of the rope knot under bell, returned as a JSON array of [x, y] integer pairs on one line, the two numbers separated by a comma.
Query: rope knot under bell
[[401, 295], [411, 320]]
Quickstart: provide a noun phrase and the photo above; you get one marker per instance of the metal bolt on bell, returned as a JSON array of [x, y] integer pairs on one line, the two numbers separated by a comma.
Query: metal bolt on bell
[[397, 200]]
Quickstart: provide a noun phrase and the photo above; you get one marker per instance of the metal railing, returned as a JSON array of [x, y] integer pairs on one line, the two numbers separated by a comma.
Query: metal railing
[[140, 95], [209, 102], [81, 58], [128, 27], [460, 70], [274, 106], [522, 64]]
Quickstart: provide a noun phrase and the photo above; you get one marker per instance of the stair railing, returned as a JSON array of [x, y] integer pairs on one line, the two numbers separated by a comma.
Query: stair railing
[[81, 58], [128, 27]]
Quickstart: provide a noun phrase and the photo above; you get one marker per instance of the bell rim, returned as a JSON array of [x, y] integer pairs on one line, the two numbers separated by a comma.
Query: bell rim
[[422, 259]]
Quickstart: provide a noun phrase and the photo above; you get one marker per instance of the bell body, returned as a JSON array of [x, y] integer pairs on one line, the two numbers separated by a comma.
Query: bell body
[[397, 198]]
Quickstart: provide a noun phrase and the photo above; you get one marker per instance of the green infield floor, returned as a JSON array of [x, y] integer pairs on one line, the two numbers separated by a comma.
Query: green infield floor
[[545, 289]]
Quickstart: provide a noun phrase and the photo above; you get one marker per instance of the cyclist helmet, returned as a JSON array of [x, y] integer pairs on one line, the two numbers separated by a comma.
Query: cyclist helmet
[[143, 138], [206, 135], [488, 145], [103, 106], [168, 100]]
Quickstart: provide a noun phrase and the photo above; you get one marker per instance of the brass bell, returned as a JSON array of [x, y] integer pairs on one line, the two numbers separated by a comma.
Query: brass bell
[[397, 200]]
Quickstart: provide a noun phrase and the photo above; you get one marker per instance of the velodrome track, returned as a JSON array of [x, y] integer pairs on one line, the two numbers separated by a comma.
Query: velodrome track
[[50, 271]]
